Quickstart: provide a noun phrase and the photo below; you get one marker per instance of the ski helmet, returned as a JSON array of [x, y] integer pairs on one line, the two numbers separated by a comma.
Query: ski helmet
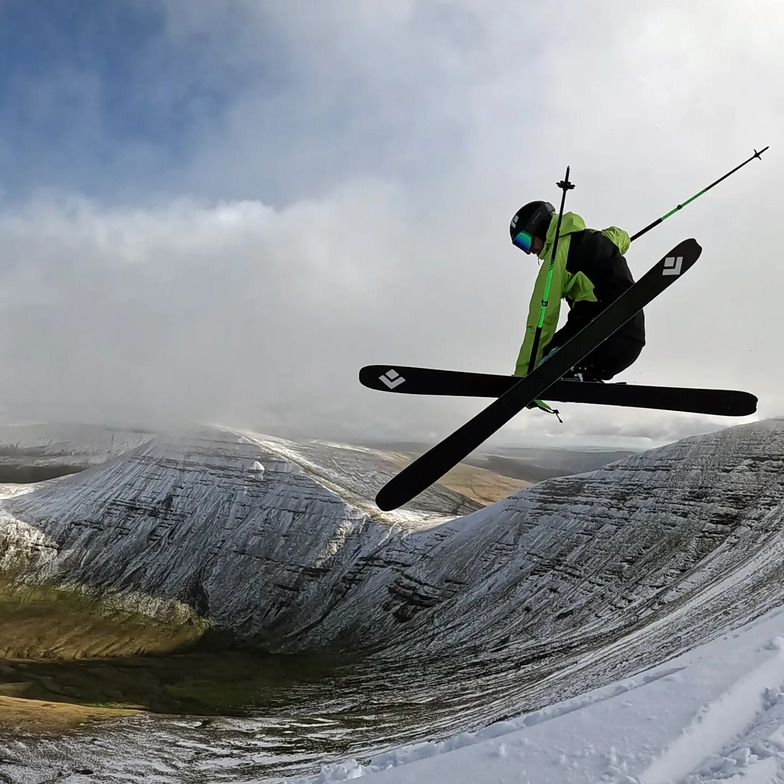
[[531, 220]]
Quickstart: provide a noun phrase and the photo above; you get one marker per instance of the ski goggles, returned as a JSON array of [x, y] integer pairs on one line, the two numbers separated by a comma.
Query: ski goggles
[[523, 240]]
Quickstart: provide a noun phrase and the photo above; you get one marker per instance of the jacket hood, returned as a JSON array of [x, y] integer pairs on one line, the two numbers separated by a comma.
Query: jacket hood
[[570, 223], [619, 237]]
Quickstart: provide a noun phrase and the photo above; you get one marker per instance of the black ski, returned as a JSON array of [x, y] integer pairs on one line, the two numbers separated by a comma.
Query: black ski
[[403, 379], [432, 465]]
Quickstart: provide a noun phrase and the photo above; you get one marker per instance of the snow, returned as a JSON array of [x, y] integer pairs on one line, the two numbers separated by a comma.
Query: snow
[[715, 714], [528, 608]]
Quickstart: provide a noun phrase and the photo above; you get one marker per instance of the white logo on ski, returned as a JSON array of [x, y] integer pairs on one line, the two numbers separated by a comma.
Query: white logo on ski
[[391, 379], [672, 265]]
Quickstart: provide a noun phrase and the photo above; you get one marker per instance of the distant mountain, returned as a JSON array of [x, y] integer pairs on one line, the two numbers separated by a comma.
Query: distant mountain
[[35, 453], [534, 465], [526, 464]]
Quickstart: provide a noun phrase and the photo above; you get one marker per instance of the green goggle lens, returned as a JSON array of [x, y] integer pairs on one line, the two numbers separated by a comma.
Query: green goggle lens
[[523, 240]]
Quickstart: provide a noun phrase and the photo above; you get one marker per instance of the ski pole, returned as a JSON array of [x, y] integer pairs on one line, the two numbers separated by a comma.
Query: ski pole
[[565, 186], [697, 195]]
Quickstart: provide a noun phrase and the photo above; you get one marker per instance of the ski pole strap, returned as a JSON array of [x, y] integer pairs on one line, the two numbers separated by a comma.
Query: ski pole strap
[[548, 409]]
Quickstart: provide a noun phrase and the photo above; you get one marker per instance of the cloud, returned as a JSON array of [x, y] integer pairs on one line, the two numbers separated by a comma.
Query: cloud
[[195, 311], [342, 196], [244, 314]]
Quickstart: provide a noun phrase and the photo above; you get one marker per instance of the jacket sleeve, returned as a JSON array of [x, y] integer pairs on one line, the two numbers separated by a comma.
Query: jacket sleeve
[[581, 314], [551, 315]]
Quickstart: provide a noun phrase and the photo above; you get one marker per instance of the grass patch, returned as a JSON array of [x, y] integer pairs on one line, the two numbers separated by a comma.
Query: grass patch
[[36, 716], [231, 683], [41, 622]]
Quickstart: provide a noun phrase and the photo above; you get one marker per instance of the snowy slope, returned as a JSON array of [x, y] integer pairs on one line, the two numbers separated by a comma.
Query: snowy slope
[[293, 557], [568, 586], [227, 525], [713, 715]]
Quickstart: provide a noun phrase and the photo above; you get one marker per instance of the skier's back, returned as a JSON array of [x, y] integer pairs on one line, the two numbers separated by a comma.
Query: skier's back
[[589, 272]]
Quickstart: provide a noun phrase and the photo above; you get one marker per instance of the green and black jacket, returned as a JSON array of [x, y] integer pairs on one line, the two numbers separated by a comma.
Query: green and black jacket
[[589, 273]]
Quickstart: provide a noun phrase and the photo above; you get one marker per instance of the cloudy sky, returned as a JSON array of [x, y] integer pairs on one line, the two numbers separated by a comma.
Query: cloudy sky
[[221, 210]]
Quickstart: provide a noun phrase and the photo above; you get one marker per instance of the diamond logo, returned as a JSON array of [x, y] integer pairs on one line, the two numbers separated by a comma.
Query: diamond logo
[[672, 265], [391, 379]]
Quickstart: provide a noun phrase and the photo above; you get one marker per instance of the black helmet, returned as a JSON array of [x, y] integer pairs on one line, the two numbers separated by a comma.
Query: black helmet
[[533, 218]]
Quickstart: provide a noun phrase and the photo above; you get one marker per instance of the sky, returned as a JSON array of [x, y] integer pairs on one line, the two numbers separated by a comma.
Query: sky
[[220, 211]]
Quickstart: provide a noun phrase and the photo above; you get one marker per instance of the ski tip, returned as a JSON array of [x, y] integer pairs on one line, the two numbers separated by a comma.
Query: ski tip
[[385, 502], [382, 378], [372, 375], [397, 491], [690, 249], [750, 402]]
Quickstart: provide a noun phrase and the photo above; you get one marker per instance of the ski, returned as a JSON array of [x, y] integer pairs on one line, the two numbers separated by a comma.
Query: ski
[[432, 465], [403, 379]]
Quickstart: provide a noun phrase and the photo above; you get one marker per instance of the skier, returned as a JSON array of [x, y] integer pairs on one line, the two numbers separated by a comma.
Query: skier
[[589, 273]]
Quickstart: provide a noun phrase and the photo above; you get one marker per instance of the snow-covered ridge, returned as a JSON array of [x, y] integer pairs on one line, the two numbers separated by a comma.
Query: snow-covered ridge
[[293, 558], [713, 714], [225, 523], [570, 585]]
